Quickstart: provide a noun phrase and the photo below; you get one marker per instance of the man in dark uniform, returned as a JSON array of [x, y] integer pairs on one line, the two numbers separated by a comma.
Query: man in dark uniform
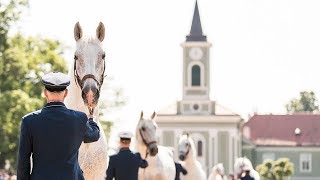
[[179, 169], [125, 165], [247, 174], [53, 136]]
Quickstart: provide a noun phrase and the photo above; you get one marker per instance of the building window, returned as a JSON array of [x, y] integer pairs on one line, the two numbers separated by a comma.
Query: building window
[[196, 75], [199, 148], [268, 156], [305, 162]]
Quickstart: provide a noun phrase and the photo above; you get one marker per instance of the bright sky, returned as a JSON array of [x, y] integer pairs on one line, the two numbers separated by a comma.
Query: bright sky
[[264, 51]]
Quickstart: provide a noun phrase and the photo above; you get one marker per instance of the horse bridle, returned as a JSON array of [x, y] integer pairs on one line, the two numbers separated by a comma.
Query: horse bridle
[[189, 146], [146, 143], [80, 81]]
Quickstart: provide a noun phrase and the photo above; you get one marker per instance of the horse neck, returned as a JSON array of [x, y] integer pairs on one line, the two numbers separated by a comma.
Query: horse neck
[[214, 174], [191, 157], [140, 146]]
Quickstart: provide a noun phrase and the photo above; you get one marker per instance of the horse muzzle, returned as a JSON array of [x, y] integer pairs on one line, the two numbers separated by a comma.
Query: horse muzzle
[[90, 92], [153, 149], [182, 157]]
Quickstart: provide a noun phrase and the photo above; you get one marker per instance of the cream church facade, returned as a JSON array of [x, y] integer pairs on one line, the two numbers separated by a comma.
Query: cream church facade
[[214, 129]]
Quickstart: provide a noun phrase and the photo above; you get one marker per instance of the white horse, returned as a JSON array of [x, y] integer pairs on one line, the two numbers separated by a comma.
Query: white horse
[[187, 154], [239, 165], [87, 76], [160, 159], [217, 173]]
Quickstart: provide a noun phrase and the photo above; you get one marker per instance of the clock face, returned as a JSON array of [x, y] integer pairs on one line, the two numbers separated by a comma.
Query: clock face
[[195, 53]]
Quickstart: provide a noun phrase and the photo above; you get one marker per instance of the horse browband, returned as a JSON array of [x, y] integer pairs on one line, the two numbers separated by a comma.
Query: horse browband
[[80, 81]]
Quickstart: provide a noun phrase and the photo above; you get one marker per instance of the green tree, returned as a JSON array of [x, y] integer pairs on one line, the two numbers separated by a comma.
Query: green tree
[[276, 170], [10, 11], [26, 60], [306, 103], [14, 105]]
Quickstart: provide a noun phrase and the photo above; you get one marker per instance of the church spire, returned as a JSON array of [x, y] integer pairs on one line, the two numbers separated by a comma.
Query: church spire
[[196, 29]]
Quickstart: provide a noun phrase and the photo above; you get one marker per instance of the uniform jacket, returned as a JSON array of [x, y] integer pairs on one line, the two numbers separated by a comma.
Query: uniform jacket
[[125, 165], [247, 177], [53, 136], [179, 169]]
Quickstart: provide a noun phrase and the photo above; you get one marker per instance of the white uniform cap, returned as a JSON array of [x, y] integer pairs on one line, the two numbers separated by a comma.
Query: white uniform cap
[[125, 134], [56, 81]]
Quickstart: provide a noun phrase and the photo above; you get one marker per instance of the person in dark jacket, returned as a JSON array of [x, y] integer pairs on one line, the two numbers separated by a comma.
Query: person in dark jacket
[[125, 165], [53, 136], [247, 174], [179, 169]]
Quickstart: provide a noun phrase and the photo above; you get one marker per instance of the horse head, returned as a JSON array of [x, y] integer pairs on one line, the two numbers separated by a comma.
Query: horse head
[[89, 64], [240, 164], [185, 147], [146, 134], [219, 169]]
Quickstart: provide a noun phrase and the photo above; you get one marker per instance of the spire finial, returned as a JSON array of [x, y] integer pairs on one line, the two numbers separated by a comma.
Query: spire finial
[[196, 29]]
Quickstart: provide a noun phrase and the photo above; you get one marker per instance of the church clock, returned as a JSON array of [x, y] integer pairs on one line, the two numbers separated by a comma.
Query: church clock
[[195, 53]]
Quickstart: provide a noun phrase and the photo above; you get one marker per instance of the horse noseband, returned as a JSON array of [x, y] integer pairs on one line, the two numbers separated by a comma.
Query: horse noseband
[[87, 76]]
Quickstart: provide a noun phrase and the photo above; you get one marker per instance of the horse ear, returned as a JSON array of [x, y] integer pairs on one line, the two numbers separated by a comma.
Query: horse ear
[[153, 115], [100, 31], [141, 115], [77, 31]]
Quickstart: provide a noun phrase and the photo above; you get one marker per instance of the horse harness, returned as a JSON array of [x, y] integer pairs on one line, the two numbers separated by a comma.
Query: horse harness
[[146, 143], [80, 81]]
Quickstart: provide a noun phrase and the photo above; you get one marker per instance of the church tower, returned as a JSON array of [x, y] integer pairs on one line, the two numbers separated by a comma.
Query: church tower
[[196, 71], [213, 128]]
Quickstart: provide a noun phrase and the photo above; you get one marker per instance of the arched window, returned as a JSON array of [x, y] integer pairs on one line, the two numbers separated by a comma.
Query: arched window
[[199, 148], [196, 75]]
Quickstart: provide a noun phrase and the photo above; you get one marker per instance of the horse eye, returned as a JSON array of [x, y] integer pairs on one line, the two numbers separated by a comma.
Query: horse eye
[[103, 55], [143, 128], [187, 144], [75, 57]]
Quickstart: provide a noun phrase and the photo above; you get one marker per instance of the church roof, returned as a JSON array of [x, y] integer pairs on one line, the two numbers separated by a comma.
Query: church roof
[[196, 29], [283, 130]]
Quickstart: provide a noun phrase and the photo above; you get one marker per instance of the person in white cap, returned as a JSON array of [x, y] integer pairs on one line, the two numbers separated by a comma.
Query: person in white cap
[[125, 165], [53, 136]]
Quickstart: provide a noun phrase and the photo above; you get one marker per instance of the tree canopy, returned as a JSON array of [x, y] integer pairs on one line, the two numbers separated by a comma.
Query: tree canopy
[[306, 103], [276, 170]]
